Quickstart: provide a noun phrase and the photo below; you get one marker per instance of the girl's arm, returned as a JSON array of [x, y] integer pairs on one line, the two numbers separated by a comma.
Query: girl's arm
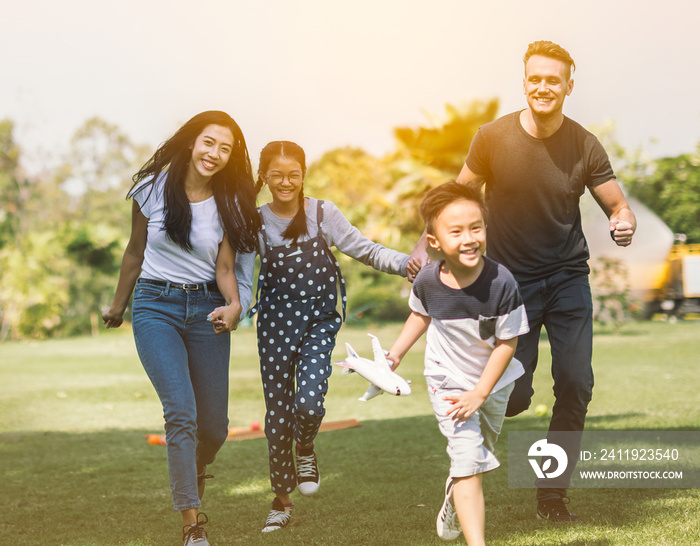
[[244, 272], [469, 401], [225, 318], [413, 329], [347, 238], [130, 268]]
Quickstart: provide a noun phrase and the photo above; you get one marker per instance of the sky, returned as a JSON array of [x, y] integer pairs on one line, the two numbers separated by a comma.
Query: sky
[[327, 74]]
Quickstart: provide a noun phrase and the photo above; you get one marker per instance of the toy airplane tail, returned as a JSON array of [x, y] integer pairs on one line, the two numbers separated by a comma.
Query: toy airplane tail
[[347, 366]]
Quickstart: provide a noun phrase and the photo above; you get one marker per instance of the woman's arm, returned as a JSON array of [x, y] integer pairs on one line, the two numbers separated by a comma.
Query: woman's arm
[[130, 268], [225, 318]]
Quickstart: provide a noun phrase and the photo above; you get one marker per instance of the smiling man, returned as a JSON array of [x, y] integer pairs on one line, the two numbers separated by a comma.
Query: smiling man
[[536, 164]]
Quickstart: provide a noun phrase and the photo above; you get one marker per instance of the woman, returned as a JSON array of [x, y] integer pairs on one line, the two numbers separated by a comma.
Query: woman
[[193, 210]]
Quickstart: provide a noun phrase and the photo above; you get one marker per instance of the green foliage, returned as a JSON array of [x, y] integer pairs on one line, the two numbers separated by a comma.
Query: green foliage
[[669, 186], [63, 233], [33, 285], [611, 293], [672, 190], [373, 295], [429, 156]]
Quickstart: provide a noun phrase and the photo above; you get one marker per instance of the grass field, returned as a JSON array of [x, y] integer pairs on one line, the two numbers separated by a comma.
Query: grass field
[[77, 469]]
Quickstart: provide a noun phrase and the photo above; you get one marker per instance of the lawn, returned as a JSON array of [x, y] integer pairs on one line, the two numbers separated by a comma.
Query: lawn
[[78, 470]]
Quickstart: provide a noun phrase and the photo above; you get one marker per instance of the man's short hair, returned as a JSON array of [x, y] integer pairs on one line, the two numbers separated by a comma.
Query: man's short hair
[[551, 50], [438, 198]]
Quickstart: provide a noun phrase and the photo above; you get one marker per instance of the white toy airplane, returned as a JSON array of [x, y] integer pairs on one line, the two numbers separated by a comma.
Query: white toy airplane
[[377, 372]]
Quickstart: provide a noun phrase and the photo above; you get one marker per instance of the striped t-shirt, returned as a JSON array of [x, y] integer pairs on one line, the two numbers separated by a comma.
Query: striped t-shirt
[[466, 322]]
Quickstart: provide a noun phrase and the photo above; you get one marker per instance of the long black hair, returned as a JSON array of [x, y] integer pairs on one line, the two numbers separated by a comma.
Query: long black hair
[[233, 186], [284, 148]]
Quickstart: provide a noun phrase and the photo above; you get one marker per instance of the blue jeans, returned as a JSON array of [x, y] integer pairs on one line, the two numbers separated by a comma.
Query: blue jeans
[[188, 366], [562, 304]]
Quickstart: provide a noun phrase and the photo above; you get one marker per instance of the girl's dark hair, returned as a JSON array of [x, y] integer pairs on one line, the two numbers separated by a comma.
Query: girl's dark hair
[[234, 188], [284, 148]]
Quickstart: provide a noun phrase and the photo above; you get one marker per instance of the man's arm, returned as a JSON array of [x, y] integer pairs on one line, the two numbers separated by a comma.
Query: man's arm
[[468, 177], [623, 223]]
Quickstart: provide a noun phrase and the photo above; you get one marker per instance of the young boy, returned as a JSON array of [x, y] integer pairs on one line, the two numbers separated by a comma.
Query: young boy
[[472, 311]]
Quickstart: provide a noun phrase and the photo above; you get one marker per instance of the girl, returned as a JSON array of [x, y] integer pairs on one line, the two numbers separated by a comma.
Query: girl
[[297, 322], [193, 210]]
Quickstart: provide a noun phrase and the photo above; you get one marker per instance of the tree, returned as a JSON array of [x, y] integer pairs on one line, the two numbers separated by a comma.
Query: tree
[[63, 232], [426, 157], [671, 188]]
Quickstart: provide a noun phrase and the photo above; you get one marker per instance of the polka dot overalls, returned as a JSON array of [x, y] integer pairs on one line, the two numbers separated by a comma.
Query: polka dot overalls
[[297, 326]]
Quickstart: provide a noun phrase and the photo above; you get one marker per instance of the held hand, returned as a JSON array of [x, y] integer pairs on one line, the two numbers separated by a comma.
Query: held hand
[[464, 405], [419, 257], [112, 319], [621, 232], [413, 266], [225, 318]]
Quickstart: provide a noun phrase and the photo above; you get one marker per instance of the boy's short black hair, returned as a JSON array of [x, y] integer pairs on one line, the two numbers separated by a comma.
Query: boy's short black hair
[[438, 198]]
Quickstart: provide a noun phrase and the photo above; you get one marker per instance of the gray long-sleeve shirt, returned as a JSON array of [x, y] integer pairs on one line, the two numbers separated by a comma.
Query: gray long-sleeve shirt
[[338, 232]]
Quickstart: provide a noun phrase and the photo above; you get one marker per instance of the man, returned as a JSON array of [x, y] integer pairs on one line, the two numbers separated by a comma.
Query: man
[[535, 165]]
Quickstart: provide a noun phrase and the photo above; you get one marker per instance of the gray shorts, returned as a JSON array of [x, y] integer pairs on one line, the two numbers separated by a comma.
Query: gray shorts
[[470, 442]]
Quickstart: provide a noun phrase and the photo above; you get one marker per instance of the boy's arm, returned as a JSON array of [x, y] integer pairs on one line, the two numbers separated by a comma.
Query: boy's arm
[[413, 329], [468, 402]]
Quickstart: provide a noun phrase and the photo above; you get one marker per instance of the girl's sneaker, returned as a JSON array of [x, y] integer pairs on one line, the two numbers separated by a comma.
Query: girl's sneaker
[[195, 535], [308, 477], [279, 517]]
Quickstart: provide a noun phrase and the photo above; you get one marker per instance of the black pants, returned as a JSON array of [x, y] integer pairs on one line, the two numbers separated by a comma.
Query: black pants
[[562, 304]]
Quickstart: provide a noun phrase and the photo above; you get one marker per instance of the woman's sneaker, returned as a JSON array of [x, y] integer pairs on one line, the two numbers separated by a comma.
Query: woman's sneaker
[[195, 535], [279, 517], [308, 478], [448, 527]]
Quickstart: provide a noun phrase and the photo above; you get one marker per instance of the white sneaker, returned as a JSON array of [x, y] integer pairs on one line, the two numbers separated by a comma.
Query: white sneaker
[[308, 477], [278, 518], [448, 527], [195, 535]]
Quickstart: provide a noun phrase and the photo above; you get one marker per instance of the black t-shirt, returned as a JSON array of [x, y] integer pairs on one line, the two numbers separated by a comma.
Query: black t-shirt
[[533, 187]]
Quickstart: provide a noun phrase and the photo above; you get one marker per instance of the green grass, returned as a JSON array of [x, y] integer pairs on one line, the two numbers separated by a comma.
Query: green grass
[[77, 470]]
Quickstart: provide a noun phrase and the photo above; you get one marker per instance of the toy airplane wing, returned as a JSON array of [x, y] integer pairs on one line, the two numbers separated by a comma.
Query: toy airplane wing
[[379, 355]]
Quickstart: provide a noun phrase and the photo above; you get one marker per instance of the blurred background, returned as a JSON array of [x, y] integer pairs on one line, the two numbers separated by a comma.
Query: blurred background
[[385, 97]]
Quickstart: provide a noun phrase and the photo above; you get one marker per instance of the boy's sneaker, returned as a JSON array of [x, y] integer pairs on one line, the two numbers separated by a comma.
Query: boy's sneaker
[[308, 478], [278, 518], [448, 527], [195, 535], [556, 510], [202, 476]]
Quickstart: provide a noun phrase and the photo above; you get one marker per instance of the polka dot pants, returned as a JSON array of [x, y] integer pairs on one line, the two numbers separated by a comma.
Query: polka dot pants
[[295, 341]]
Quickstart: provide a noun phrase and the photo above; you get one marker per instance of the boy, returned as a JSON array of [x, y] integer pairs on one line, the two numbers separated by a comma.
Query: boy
[[472, 311]]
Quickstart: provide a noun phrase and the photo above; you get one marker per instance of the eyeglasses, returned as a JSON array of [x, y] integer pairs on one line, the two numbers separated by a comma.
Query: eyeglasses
[[278, 178]]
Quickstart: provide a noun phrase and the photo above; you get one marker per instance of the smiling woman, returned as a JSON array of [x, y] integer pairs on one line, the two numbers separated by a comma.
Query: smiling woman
[[193, 211]]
